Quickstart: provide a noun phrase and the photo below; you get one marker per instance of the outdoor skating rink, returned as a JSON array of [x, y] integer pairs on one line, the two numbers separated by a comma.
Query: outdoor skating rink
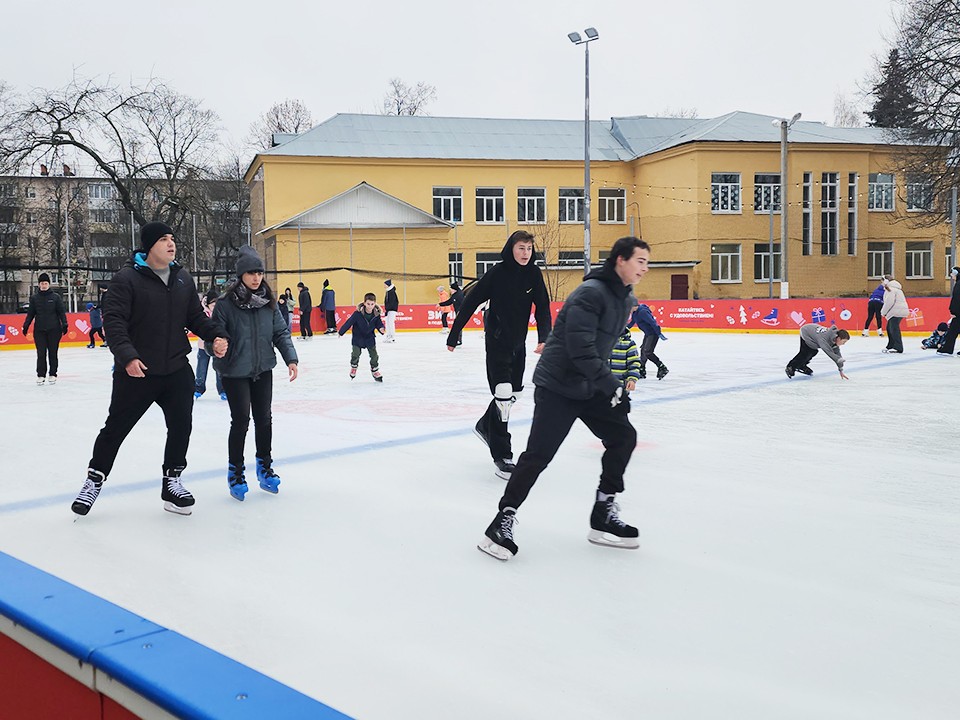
[[799, 538]]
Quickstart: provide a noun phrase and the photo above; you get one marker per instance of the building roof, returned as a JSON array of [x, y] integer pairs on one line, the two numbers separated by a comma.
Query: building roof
[[617, 139]]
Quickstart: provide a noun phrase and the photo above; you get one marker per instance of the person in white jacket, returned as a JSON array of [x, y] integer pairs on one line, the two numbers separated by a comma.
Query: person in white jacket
[[894, 310]]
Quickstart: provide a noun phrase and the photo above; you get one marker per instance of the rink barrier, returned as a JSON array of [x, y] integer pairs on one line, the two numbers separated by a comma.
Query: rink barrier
[[744, 316], [65, 652]]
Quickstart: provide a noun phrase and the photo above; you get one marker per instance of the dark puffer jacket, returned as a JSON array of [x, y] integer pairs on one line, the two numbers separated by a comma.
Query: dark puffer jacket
[[46, 312], [576, 360], [254, 333], [512, 289], [364, 326], [145, 319]]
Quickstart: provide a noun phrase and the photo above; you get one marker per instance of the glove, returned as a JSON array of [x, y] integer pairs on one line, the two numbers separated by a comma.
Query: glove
[[663, 337], [620, 402], [617, 397]]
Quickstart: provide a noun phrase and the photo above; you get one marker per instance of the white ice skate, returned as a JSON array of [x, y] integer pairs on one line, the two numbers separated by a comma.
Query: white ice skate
[[598, 537], [493, 550]]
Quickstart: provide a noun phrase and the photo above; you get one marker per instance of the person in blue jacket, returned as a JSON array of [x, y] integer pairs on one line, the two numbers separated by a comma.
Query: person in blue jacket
[[874, 306], [96, 325], [652, 334], [328, 304], [365, 323]]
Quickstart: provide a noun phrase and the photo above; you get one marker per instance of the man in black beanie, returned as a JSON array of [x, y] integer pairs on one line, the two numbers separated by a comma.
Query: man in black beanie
[[49, 318], [150, 302]]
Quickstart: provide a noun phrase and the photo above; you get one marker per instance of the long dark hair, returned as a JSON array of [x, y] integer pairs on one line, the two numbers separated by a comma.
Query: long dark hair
[[232, 290]]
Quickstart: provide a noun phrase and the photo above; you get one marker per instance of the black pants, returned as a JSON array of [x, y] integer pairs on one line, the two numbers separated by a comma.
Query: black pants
[[305, 329], [553, 417], [130, 399], [244, 395], [803, 358], [331, 317], [873, 311], [647, 347], [48, 343], [950, 339], [94, 332], [504, 365], [443, 320], [894, 338]]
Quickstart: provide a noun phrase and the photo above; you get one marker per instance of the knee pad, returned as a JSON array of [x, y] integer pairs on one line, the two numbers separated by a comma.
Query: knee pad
[[504, 398]]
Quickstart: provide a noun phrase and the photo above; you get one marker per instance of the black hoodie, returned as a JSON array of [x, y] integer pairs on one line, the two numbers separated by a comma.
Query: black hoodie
[[47, 308], [576, 361], [512, 289]]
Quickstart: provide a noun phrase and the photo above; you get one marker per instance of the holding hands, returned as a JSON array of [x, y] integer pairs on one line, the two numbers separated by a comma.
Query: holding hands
[[220, 347]]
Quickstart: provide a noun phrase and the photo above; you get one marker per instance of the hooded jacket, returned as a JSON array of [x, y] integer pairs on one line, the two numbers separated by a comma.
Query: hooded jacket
[[253, 333], [47, 312], [894, 302], [145, 319], [643, 318], [512, 289], [364, 326], [305, 301], [955, 298], [390, 301], [576, 360], [823, 338]]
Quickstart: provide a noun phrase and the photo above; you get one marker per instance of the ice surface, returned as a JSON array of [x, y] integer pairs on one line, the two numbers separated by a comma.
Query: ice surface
[[799, 538]]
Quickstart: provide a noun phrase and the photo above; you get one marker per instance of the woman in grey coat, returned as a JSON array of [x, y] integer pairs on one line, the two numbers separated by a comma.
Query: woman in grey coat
[[248, 313]]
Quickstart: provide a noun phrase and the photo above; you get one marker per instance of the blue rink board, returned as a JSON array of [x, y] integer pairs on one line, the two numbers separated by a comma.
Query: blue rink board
[[177, 674]]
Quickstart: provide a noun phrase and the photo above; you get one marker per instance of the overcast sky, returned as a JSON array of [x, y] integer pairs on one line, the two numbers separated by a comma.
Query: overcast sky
[[499, 58]]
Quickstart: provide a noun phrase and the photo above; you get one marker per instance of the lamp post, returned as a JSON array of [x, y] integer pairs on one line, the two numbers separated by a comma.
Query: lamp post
[[591, 35], [785, 126]]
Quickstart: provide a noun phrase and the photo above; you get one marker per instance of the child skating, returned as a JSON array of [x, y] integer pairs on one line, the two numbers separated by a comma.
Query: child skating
[[365, 322], [652, 334], [813, 339], [625, 361]]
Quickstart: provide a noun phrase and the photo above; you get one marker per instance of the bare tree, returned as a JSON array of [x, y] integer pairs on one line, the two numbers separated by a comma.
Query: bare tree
[[928, 45], [403, 99], [549, 244], [846, 113], [681, 112], [289, 116]]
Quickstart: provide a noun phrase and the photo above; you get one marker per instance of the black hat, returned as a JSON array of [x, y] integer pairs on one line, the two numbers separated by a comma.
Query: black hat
[[248, 261], [388, 282], [43, 278], [151, 232], [326, 283], [299, 284]]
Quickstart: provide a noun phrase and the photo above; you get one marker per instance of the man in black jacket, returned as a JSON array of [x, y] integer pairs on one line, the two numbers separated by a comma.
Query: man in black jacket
[[950, 339], [512, 287], [391, 304], [49, 318], [306, 307], [573, 381], [150, 302]]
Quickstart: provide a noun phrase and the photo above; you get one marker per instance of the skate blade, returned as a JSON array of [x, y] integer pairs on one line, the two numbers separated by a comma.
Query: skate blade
[[481, 437], [502, 474], [598, 537], [170, 507], [489, 547]]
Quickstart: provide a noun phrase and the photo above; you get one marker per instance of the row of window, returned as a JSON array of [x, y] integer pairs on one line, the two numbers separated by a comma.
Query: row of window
[[726, 192], [726, 261], [97, 215], [531, 205], [95, 191]]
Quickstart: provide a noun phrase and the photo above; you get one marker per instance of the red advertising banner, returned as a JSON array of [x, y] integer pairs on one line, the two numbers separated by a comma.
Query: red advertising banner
[[710, 315]]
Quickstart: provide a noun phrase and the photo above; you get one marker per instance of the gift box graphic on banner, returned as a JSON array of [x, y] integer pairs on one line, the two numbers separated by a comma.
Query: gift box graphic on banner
[[817, 315], [3, 333], [915, 319]]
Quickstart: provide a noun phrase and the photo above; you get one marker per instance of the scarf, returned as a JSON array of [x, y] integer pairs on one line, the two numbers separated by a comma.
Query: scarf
[[251, 300]]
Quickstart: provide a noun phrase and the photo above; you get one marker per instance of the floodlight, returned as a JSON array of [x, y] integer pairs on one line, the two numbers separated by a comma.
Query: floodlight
[[574, 37]]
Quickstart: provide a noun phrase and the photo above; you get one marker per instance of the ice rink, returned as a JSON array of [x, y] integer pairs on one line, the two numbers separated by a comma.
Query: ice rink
[[799, 538]]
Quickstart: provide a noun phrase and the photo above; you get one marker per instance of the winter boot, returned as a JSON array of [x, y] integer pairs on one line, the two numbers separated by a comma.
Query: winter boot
[[353, 372], [504, 469], [606, 527], [662, 372], [269, 480], [176, 498], [89, 492], [498, 541], [236, 482], [376, 374]]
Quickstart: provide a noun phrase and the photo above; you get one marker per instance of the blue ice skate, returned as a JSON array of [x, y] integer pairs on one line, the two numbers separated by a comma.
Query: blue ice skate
[[236, 481], [269, 480], [772, 318]]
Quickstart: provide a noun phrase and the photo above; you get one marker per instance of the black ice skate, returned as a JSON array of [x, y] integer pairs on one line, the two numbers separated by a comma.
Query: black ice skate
[[606, 527], [89, 492], [499, 542], [504, 469], [662, 372], [176, 498], [478, 431], [790, 371], [805, 370]]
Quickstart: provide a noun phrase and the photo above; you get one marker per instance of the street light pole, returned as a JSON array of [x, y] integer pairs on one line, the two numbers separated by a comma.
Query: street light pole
[[784, 278], [591, 35]]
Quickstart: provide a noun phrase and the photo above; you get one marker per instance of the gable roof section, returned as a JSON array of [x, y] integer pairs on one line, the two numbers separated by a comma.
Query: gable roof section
[[362, 206]]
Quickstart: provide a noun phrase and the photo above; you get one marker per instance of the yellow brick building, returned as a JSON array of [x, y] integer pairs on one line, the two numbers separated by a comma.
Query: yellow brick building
[[360, 198]]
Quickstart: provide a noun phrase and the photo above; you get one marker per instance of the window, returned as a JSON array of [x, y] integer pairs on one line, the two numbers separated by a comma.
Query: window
[[448, 203], [30, 218], [725, 192], [455, 265], [807, 203], [6, 215], [8, 240], [919, 193], [100, 215], [919, 260], [613, 205], [829, 238], [948, 260], [761, 262], [489, 205], [30, 191], [571, 205], [570, 258], [880, 192], [879, 259], [101, 191], [766, 191], [531, 205], [852, 214], [725, 263], [485, 261], [7, 190]]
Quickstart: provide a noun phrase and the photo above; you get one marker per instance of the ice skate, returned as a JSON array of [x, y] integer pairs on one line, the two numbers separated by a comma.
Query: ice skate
[[504, 469], [377, 375], [353, 372], [865, 333], [478, 431], [223, 396], [41, 380], [52, 380], [236, 482], [805, 370], [269, 480], [643, 373], [790, 371], [879, 332], [662, 372], [176, 498], [197, 395], [89, 492], [498, 541], [606, 527]]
